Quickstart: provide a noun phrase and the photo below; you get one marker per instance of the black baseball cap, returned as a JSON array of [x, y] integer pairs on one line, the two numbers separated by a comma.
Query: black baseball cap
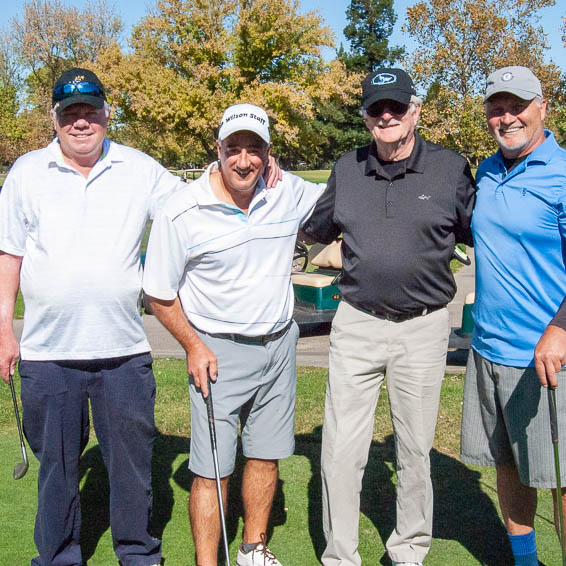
[[390, 84], [78, 86]]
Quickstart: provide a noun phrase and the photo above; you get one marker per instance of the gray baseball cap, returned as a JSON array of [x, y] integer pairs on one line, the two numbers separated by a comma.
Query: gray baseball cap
[[516, 80]]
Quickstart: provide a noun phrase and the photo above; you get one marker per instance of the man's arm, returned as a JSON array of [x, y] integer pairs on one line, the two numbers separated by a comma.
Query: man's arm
[[320, 225], [9, 284], [201, 362], [465, 201], [550, 352]]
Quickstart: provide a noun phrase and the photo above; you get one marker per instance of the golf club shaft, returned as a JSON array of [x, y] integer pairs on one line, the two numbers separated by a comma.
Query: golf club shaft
[[554, 434], [212, 429], [16, 410]]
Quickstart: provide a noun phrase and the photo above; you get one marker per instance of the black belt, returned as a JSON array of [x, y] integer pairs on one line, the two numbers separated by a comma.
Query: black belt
[[252, 339], [398, 317]]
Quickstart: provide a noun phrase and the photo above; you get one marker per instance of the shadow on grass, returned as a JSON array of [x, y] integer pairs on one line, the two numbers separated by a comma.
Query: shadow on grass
[[95, 492], [462, 511]]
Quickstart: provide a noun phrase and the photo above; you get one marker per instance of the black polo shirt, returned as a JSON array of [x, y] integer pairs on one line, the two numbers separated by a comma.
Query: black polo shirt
[[399, 232]]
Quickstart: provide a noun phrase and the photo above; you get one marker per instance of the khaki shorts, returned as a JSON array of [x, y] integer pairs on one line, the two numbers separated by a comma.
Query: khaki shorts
[[505, 421], [256, 387]]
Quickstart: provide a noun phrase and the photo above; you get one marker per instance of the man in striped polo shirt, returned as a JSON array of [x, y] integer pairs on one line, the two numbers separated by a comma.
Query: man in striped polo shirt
[[217, 275]]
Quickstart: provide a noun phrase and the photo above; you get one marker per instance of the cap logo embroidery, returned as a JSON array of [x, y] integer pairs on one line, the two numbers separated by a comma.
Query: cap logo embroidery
[[383, 79], [78, 79], [506, 76], [242, 115]]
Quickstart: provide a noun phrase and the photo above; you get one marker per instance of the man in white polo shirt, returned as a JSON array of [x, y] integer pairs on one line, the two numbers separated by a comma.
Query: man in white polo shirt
[[218, 276], [72, 216]]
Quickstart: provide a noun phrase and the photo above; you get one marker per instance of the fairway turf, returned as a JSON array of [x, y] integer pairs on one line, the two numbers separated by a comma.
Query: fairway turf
[[467, 526]]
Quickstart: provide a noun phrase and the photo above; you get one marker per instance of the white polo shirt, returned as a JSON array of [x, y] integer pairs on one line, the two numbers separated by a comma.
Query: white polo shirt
[[232, 271], [80, 241]]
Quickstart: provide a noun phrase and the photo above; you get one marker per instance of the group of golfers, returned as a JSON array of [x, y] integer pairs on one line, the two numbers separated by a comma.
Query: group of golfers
[[217, 275]]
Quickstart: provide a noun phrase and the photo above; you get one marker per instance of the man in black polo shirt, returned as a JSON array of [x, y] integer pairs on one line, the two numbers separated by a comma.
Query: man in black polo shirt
[[401, 204]]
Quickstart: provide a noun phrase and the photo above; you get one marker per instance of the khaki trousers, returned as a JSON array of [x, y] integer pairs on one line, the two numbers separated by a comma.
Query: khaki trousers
[[363, 350]]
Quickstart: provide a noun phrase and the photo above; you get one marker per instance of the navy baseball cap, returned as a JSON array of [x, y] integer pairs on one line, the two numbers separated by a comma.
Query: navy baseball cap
[[390, 84], [78, 86]]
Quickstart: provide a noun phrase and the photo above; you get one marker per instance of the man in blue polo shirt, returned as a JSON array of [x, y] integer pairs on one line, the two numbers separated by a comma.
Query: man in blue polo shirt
[[519, 230]]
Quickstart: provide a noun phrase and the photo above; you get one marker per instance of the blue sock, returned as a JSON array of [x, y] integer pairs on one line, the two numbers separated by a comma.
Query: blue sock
[[524, 548]]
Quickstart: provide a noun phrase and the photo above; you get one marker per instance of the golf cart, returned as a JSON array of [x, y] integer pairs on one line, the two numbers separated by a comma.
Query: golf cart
[[317, 294]]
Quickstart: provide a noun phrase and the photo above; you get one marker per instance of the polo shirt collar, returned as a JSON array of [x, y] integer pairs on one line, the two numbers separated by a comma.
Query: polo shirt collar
[[541, 154], [415, 162], [110, 153]]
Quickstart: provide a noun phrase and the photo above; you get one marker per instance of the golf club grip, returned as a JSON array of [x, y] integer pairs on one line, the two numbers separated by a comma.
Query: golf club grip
[[16, 410], [553, 414], [210, 413]]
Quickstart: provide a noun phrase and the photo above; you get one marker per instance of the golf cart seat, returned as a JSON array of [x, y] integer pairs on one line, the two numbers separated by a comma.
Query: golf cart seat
[[316, 293], [328, 259]]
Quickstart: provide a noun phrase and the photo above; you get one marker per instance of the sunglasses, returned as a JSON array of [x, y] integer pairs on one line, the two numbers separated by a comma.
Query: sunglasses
[[395, 107], [70, 89]]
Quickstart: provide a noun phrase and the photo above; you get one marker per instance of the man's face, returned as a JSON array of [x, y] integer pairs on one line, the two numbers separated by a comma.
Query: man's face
[[81, 129], [516, 125], [391, 122], [243, 158]]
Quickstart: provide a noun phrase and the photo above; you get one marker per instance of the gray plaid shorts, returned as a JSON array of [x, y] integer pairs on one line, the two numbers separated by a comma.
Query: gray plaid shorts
[[505, 421]]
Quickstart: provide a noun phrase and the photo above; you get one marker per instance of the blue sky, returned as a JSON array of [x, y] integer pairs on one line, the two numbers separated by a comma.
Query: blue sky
[[333, 12]]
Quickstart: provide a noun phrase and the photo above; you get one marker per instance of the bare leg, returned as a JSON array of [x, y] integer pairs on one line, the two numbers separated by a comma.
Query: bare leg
[[258, 489], [205, 518], [556, 523], [518, 502]]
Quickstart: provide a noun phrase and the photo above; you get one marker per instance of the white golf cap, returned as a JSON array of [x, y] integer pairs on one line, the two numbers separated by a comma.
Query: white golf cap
[[244, 117]]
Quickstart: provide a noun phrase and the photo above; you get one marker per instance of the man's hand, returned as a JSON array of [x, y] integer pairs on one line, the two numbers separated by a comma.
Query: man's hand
[[201, 363], [550, 355], [272, 174], [9, 354]]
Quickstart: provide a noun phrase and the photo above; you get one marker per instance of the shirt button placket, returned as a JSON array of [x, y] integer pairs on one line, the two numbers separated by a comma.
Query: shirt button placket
[[389, 201]]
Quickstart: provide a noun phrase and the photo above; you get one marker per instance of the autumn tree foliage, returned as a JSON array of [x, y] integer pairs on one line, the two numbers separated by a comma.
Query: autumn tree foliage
[[459, 43], [190, 59], [48, 38], [51, 37]]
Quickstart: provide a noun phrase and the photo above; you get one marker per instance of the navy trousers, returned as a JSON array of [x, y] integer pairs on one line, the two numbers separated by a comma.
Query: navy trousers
[[55, 396]]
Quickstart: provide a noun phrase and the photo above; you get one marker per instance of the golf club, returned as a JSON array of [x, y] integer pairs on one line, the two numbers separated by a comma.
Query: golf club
[[554, 433], [21, 468], [212, 430]]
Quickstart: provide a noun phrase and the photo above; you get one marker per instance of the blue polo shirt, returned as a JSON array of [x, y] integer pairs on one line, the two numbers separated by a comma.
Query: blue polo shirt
[[519, 229]]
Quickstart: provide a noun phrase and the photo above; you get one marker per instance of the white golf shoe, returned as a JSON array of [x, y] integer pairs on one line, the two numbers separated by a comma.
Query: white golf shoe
[[259, 556], [407, 564]]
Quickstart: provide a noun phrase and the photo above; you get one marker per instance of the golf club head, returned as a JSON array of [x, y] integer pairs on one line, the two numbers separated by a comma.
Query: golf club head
[[20, 470]]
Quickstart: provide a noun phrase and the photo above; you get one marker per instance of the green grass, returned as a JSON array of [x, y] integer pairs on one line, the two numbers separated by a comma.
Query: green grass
[[315, 176], [467, 525]]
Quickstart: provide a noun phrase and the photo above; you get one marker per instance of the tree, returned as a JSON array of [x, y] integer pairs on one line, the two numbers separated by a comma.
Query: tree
[[190, 59], [52, 37], [370, 25], [459, 43]]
